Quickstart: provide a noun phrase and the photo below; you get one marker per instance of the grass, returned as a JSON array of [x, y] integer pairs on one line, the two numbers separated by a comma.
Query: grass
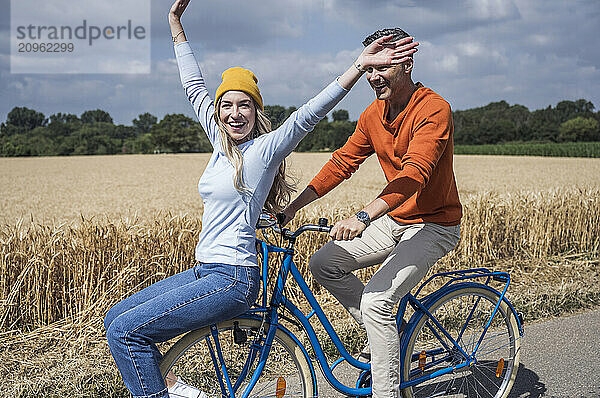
[[553, 149]]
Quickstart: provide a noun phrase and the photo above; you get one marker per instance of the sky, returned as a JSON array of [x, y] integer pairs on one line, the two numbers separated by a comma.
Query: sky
[[472, 52]]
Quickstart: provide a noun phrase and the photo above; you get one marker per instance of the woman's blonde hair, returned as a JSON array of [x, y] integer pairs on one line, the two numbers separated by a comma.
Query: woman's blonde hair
[[282, 189]]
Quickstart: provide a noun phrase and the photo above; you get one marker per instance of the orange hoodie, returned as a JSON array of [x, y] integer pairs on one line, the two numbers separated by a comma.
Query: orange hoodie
[[415, 152]]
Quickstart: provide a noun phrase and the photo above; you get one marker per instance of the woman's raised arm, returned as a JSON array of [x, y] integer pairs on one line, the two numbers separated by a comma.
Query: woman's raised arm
[[175, 13], [191, 76]]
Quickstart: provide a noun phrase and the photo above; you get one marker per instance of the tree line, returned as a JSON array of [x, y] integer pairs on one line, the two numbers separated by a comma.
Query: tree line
[[499, 122], [27, 132]]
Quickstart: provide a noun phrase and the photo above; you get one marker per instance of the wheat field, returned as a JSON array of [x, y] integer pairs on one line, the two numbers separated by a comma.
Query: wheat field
[[77, 234], [65, 188]]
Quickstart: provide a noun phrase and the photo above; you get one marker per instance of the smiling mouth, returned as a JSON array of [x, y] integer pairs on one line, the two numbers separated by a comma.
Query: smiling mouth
[[237, 125]]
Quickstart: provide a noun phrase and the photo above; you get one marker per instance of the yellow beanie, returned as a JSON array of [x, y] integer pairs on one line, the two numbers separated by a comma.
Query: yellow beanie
[[240, 79]]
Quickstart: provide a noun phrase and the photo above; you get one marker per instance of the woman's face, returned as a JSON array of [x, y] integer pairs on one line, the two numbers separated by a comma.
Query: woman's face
[[238, 113]]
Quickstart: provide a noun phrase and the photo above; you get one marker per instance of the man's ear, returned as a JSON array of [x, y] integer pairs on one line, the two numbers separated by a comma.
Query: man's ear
[[407, 65]]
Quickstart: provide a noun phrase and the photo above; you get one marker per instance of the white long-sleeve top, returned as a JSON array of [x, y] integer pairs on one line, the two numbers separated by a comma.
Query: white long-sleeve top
[[229, 219]]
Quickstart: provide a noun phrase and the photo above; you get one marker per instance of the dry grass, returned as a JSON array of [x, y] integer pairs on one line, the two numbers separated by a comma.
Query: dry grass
[[55, 271], [77, 251]]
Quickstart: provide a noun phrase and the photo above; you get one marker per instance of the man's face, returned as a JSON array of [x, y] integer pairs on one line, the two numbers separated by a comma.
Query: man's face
[[387, 81]]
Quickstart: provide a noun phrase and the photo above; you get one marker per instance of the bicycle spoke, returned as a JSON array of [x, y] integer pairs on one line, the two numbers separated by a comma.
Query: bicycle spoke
[[507, 345], [463, 314], [483, 386], [492, 381], [270, 384], [468, 319], [192, 361]]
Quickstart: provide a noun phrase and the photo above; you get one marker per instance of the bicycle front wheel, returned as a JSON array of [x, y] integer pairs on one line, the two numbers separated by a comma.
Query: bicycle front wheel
[[286, 372], [463, 313]]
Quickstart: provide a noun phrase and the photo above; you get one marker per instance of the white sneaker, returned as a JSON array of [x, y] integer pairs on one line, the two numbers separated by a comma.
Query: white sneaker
[[182, 390]]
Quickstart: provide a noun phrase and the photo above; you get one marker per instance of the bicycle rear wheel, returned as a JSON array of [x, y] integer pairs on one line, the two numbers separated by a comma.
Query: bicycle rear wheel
[[191, 361], [464, 313]]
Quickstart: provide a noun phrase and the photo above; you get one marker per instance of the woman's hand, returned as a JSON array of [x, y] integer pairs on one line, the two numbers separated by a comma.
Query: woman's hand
[[383, 51], [175, 13], [288, 214], [177, 10]]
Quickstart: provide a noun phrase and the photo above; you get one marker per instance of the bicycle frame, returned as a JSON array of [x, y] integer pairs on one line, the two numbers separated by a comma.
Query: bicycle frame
[[278, 299]]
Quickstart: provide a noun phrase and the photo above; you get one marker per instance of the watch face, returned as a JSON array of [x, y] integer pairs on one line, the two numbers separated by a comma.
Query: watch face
[[363, 216]]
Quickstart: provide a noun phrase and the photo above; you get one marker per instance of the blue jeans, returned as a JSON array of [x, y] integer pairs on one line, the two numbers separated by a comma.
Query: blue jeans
[[200, 296]]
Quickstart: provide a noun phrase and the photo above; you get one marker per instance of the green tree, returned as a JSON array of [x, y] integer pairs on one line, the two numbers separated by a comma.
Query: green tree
[[144, 123], [141, 144], [95, 139], [63, 124], [341, 115], [579, 129], [21, 120], [566, 110], [314, 140], [179, 133], [96, 116], [278, 114], [39, 144], [339, 132], [123, 132]]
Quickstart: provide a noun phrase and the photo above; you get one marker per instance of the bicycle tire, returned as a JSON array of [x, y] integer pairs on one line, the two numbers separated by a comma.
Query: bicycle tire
[[493, 374], [189, 359]]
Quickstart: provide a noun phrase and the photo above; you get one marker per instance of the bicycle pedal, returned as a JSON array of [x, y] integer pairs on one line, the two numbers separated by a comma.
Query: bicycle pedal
[[239, 336]]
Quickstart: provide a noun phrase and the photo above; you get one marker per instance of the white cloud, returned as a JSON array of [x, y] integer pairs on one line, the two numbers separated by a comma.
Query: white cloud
[[490, 10], [539, 39], [471, 48], [449, 63]]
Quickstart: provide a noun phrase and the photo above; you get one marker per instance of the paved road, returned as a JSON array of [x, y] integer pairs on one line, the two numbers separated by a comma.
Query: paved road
[[560, 358]]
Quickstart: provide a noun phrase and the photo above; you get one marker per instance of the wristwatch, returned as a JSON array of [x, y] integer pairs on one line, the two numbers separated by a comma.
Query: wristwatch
[[363, 217]]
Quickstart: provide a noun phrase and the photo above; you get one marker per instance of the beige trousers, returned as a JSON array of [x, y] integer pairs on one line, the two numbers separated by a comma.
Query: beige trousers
[[406, 252]]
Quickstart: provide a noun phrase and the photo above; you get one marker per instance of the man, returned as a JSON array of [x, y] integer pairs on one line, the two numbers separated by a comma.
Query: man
[[411, 224]]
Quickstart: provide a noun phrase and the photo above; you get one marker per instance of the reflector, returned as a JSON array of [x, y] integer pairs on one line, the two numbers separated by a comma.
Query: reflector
[[422, 358], [280, 392], [500, 367]]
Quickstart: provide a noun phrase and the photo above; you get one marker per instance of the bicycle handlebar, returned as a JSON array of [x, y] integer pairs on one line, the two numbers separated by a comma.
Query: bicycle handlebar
[[287, 233], [308, 227]]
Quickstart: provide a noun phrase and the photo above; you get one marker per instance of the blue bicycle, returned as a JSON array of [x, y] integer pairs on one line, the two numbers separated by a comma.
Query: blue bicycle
[[462, 339]]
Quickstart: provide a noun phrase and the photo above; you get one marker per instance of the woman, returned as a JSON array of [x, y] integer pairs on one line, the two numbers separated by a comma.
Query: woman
[[244, 174]]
